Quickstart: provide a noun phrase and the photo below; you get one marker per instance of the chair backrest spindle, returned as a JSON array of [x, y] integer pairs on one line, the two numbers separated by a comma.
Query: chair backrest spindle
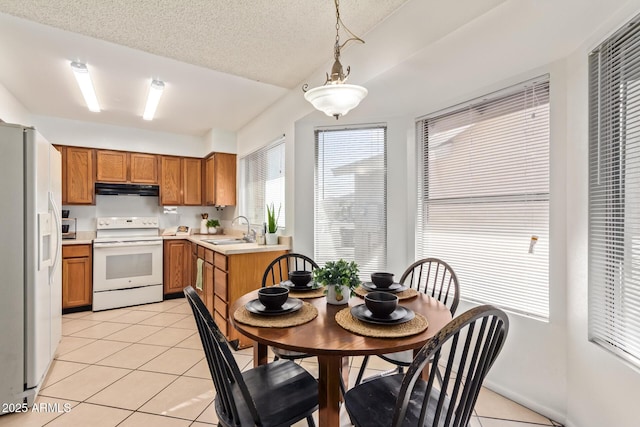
[[224, 370], [278, 269], [435, 278], [474, 340]]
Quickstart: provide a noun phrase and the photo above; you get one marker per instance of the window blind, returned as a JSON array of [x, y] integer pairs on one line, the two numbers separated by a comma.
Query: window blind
[[262, 182], [483, 196], [351, 197], [614, 194]]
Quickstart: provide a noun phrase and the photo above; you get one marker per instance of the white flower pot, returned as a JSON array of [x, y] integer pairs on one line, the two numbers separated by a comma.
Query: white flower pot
[[272, 238], [338, 298], [213, 230]]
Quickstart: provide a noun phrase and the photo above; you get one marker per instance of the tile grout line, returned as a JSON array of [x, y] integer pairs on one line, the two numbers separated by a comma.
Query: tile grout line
[[130, 372]]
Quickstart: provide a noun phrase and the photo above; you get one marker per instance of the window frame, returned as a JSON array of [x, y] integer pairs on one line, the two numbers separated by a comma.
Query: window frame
[[477, 289], [261, 155], [378, 261]]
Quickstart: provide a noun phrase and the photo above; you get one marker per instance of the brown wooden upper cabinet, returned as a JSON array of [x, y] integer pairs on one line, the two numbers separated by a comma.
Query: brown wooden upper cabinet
[[78, 176], [122, 166], [220, 179], [180, 181]]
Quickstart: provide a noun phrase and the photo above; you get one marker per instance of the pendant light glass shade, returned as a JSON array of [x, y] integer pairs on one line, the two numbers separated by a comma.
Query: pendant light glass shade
[[336, 99]]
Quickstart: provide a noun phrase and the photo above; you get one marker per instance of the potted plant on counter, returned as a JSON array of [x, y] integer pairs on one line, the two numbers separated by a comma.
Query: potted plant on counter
[[272, 225], [212, 226], [340, 278]]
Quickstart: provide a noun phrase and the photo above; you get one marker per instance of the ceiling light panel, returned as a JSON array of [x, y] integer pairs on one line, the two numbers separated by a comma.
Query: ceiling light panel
[[155, 92], [81, 73]]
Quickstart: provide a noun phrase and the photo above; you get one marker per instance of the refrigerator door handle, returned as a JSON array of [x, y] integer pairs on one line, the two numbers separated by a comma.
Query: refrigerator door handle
[[56, 216]]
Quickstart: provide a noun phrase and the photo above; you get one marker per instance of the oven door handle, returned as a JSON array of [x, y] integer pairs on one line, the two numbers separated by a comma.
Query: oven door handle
[[127, 244]]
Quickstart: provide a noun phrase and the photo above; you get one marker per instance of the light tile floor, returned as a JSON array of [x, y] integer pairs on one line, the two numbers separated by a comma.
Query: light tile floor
[[144, 365]]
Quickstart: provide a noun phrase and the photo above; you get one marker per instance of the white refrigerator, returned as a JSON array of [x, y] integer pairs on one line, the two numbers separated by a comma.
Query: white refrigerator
[[30, 261]]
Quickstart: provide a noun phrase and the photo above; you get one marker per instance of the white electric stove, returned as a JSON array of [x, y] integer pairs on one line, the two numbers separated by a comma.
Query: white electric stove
[[127, 262]]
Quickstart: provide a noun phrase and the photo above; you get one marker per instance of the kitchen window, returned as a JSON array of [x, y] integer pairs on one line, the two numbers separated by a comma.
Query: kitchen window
[[262, 182], [351, 197], [614, 194], [483, 196]]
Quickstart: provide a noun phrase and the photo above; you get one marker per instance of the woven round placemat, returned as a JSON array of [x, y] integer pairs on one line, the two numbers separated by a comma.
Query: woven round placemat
[[316, 293], [406, 294], [350, 323], [306, 314]]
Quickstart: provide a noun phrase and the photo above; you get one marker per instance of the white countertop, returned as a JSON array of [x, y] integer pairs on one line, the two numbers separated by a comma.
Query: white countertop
[[240, 248], [86, 238]]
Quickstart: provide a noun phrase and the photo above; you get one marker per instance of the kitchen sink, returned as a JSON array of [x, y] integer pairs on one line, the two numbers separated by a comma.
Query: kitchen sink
[[225, 241]]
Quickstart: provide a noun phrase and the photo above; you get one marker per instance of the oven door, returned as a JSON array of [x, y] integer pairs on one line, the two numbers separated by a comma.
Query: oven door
[[126, 264]]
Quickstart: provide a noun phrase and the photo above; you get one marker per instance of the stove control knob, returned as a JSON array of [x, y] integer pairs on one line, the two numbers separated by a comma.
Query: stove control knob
[[101, 222]]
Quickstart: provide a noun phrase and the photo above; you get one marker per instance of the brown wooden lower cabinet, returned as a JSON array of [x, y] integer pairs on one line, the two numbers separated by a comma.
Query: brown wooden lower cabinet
[[176, 266], [225, 278], [234, 276], [77, 276]]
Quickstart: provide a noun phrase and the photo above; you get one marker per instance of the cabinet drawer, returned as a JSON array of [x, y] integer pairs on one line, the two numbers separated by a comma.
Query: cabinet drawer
[[200, 252], [76, 251], [194, 248], [220, 307], [220, 261], [221, 321], [220, 284], [208, 256]]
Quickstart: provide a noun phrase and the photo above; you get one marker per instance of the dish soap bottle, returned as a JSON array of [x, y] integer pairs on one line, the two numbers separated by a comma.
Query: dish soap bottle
[[203, 223]]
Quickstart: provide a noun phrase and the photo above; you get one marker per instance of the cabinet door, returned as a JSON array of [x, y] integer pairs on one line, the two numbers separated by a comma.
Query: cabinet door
[[192, 181], [209, 181], [63, 153], [80, 176], [144, 168], [177, 265], [111, 166], [170, 180], [225, 179], [77, 286], [208, 286]]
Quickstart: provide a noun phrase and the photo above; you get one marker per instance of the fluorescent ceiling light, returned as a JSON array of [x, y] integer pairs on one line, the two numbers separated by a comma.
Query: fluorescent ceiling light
[[155, 92], [83, 78]]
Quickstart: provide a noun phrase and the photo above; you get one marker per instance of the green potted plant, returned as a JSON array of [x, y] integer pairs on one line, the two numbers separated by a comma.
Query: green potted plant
[[272, 225], [212, 226], [340, 278]]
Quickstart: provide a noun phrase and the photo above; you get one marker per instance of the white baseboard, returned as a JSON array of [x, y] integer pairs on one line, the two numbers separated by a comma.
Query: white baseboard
[[524, 401]]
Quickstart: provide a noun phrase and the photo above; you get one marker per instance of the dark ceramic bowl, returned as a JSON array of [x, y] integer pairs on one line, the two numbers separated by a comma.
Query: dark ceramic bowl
[[273, 297], [381, 304], [65, 213], [65, 228], [300, 278], [382, 280]]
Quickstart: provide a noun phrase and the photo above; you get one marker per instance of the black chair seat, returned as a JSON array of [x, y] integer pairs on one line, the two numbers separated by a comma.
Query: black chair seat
[[371, 403], [279, 389], [473, 342], [276, 394]]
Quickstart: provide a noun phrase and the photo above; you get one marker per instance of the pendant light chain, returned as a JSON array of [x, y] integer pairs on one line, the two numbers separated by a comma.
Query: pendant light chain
[[335, 98]]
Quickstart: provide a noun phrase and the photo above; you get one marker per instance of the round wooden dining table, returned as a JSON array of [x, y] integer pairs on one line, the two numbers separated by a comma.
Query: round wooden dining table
[[325, 338]]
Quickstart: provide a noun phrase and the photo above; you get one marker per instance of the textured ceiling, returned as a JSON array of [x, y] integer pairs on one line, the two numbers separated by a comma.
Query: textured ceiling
[[279, 42]]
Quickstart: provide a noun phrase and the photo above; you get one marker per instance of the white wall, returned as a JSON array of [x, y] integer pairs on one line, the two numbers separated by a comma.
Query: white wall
[[602, 389], [11, 110], [547, 366], [97, 135]]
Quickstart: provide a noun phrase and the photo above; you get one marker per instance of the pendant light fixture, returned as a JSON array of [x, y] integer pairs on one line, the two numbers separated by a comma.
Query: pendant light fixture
[[335, 98]]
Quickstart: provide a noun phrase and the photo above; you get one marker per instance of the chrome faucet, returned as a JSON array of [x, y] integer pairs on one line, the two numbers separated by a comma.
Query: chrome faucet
[[250, 236]]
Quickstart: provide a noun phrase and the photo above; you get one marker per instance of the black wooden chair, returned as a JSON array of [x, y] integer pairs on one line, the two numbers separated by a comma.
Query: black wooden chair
[[277, 394], [475, 339], [433, 277], [277, 272]]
